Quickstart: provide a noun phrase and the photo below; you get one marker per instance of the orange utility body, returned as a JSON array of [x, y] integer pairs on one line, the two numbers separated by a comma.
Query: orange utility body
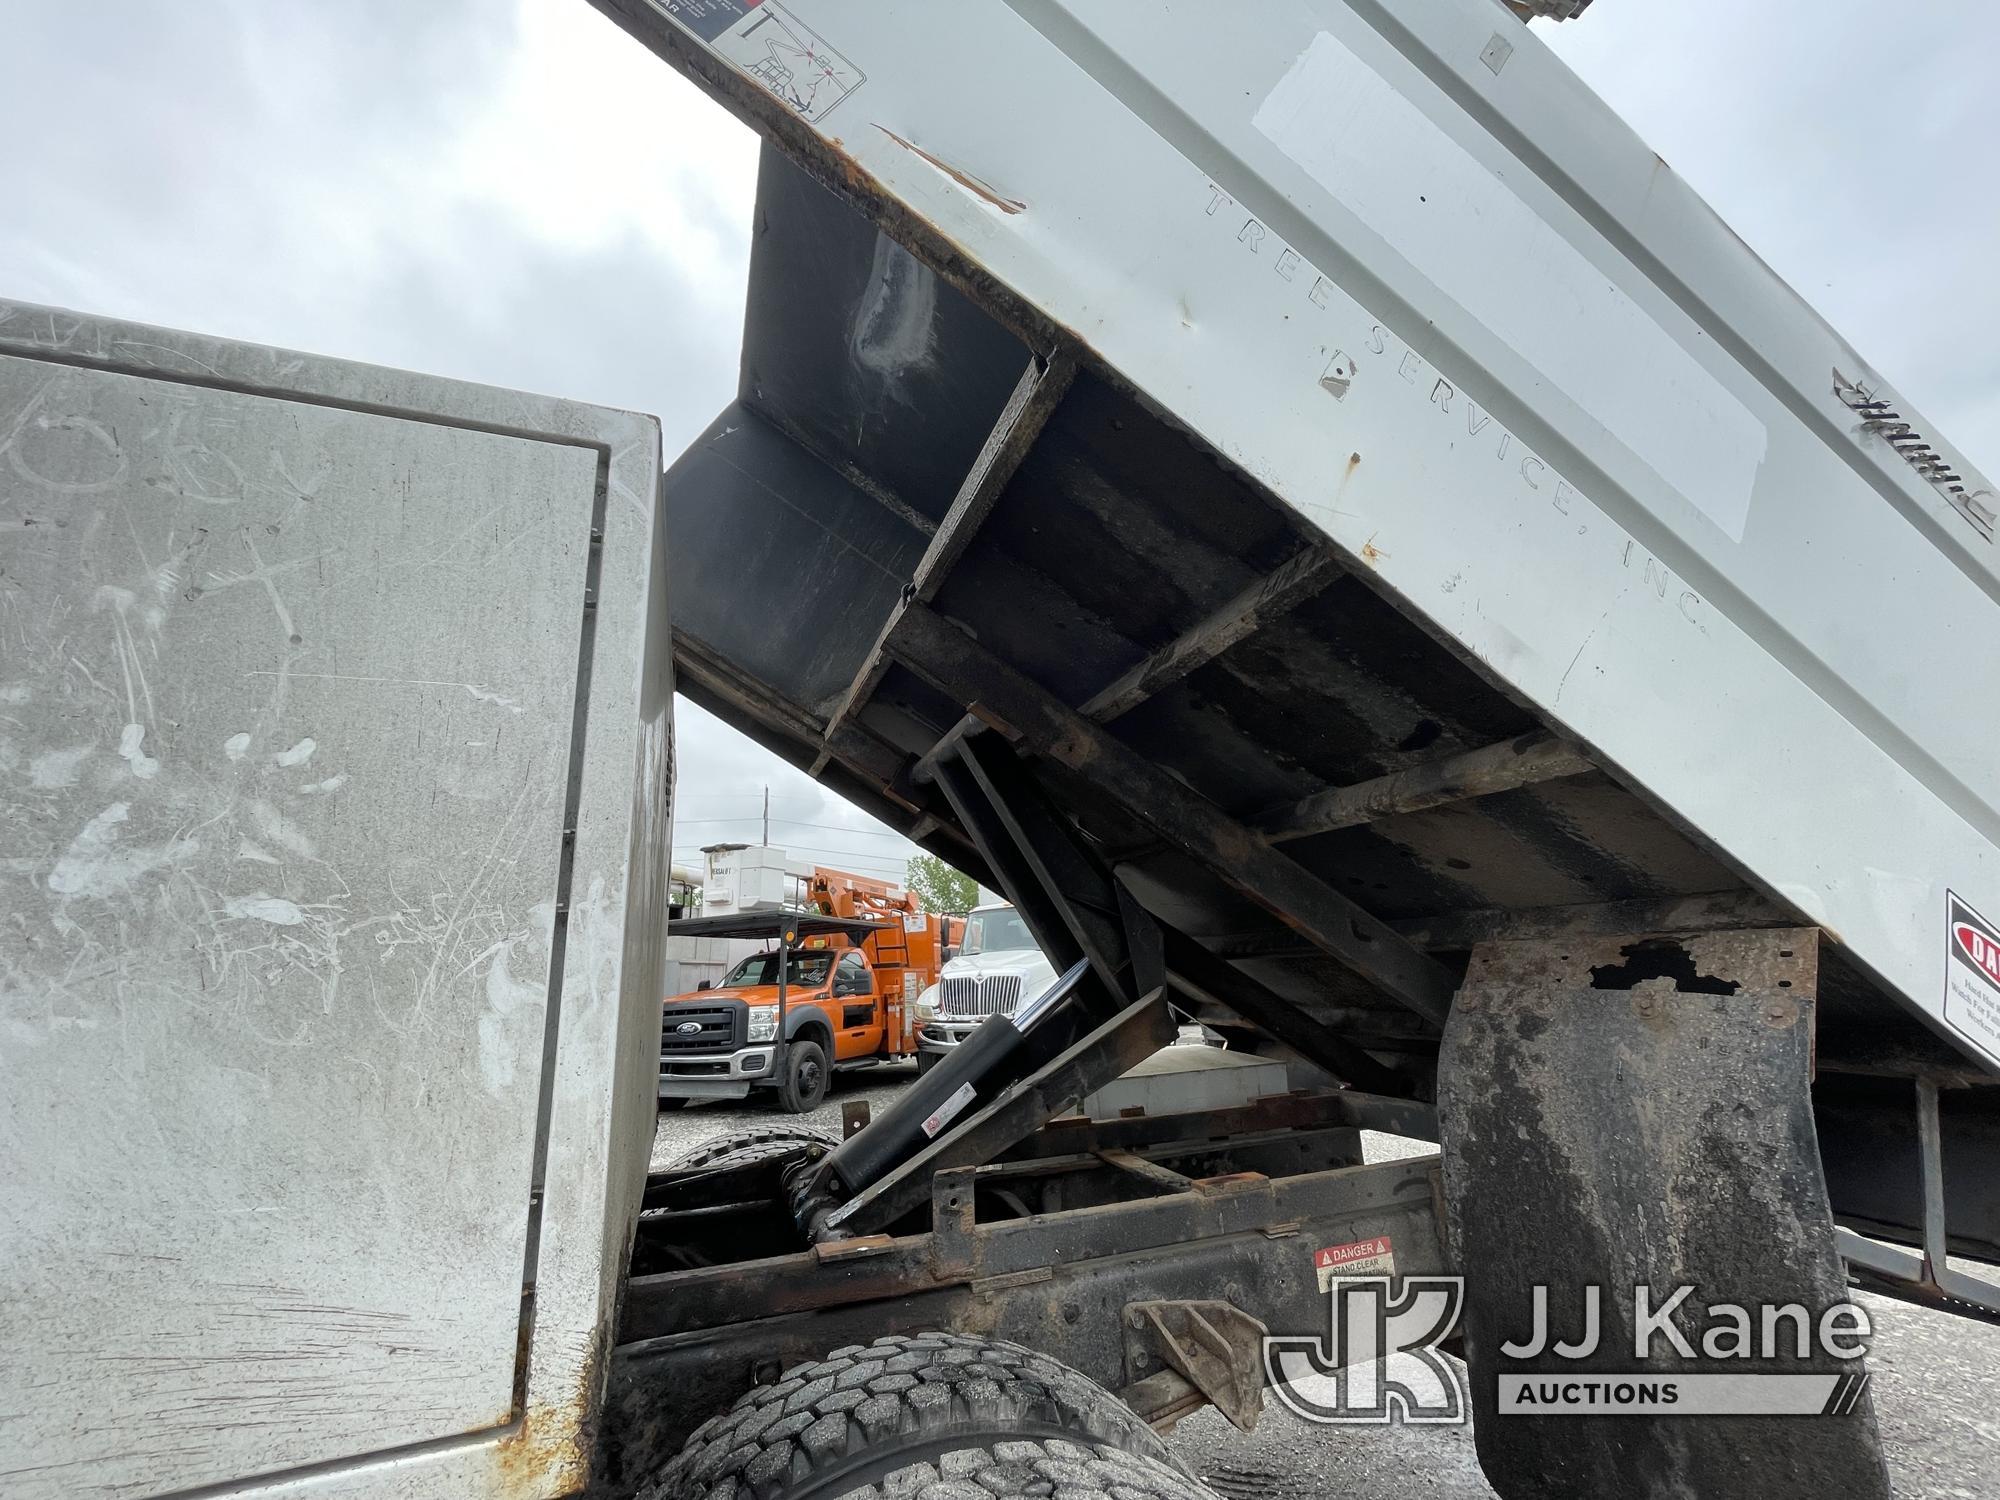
[[903, 958]]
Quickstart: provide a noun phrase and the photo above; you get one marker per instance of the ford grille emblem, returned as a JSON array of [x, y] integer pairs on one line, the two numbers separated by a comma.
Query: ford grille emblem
[[688, 1027]]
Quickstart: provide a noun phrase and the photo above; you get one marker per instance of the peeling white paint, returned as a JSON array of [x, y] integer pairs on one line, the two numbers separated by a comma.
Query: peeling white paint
[[236, 746], [298, 755], [111, 595], [510, 1004], [281, 831], [487, 695], [331, 784], [262, 908], [143, 765], [57, 768], [16, 692], [94, 865], [247, 850]]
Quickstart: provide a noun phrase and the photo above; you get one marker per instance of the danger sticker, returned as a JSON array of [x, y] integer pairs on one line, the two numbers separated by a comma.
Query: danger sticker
[[1972, 976], [1374, 1257]]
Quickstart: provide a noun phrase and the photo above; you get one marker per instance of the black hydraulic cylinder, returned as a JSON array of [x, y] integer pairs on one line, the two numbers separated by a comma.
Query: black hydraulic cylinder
[[1000, 1051]]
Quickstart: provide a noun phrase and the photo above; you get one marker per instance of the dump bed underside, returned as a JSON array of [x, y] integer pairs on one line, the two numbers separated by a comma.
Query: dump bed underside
[[1335, 393], [1337, 469], [1132, 574]]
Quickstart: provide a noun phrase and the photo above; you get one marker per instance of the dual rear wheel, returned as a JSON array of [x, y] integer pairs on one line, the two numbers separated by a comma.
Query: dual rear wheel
[[933, 1416]]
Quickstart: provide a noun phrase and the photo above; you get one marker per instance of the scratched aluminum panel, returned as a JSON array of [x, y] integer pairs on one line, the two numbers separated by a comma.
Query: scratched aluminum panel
[[325, 1075], [1396, 262]]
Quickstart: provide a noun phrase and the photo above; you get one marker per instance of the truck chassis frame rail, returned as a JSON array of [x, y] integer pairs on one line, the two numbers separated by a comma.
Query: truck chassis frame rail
[[1077, 1283]]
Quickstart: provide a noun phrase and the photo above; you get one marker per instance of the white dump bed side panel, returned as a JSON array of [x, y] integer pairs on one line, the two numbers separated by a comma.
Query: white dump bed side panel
[[321, 1092], [1393, 258]]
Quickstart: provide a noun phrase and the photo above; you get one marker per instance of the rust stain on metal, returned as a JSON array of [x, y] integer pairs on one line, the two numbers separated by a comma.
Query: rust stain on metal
[[994, 722], [1781, 1012], [550, 1453], [1346, 477], [983, 191], [836, 1251], [1229, 1182]]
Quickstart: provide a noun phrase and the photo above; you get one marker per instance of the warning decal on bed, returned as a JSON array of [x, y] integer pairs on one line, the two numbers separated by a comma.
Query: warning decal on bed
[[1374, 1257], [708, 19], [774, 47], [1972, 976]]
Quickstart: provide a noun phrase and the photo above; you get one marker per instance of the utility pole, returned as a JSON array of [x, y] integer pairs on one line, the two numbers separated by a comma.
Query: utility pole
[[767, 817]]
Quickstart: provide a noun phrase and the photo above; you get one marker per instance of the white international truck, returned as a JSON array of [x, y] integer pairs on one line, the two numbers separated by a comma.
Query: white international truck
[[1327, 523], [996, 968]]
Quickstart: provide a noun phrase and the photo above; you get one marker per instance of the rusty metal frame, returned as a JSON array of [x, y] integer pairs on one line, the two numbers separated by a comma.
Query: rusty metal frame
[[1925, 1277], [1043, 384], [1215, 1346], [1302, 575], [1104, 920], [1053, 932], [694, 1340], [954, 663], [1525, 761], [1079, 891], [1277, 1114], [960, 1249], [1108, 1051], [1706, 912], [1207, 980]]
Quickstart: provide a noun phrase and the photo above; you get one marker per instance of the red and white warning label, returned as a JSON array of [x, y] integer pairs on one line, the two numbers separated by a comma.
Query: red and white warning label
[[1376, 1257], [1972, 976]]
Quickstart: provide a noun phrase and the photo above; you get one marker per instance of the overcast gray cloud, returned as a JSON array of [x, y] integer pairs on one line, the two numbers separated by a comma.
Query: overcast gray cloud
[[1850, 144], [516, 193]]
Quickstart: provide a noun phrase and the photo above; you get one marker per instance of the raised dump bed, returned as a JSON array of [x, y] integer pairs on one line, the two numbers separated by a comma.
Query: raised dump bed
[[1306, 492], [1296, 496], [1374, 498]]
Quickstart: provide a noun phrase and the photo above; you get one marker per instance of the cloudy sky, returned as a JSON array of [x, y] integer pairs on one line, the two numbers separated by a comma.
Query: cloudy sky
[[511, 191]]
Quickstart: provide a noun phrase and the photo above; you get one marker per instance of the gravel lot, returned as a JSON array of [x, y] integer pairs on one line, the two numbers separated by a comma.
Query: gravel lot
[[1936, 1382], [684, 1129]]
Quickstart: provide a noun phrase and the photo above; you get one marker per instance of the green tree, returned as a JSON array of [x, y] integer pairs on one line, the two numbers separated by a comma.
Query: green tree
[[940, 888]]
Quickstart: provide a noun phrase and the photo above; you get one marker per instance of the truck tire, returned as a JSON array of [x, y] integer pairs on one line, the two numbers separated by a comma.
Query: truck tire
[[806, 1077], [753, 1143], [930, 1417], [925, 1062]]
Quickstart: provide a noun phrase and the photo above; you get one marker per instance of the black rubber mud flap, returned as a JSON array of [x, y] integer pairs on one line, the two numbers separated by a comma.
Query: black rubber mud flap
[[1634, 1112]]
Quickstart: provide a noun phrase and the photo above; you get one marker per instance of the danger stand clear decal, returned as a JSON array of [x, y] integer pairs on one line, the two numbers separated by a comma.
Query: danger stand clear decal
[[1972, 976], [774, 47], [1376, 1257]]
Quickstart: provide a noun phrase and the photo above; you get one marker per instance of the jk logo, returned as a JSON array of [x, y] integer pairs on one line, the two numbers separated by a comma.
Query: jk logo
[[1379, 1360]]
